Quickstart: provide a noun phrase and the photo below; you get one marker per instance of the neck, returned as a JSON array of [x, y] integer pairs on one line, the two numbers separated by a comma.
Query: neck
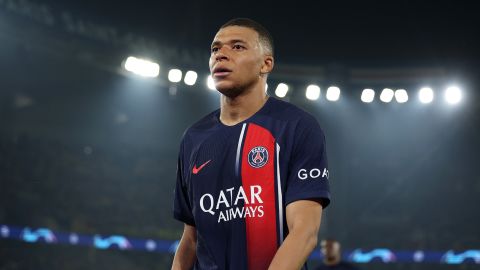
[[332, 262], [234, 110]]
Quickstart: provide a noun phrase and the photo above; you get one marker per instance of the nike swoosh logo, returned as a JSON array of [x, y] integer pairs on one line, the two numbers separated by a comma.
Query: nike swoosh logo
[[195, 170]]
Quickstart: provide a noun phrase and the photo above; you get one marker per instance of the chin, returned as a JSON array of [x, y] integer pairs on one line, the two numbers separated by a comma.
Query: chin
[[228, 90]]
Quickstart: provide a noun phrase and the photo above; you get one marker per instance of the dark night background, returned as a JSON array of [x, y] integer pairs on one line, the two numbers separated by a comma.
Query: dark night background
[[88, 148]]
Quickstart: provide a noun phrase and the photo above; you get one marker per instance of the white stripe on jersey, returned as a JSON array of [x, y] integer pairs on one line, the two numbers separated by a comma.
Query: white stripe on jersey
[[280, 198], [238, 149]]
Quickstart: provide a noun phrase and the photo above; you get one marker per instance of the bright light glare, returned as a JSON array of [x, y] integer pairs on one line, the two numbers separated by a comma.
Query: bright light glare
[[425, 95], [368, 95], [453, 95], [190, 77], [210, 83], [313, 92], [142, 67], [175, 75], [401, 95], [333, 93], [386, 95], [281, 90]]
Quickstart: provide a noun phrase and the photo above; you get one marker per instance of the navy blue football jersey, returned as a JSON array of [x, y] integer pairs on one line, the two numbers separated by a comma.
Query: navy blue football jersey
[[234, 182]]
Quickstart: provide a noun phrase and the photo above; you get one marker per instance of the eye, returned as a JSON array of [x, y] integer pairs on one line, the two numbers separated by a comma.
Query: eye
[[238, 47], [214, 49]]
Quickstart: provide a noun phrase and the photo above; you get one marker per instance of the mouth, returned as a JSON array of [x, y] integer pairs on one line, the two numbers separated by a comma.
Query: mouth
[[220, 72]]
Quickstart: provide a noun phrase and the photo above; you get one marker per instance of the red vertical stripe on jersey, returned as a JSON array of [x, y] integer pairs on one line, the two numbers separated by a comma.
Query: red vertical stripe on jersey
[[261, 231]]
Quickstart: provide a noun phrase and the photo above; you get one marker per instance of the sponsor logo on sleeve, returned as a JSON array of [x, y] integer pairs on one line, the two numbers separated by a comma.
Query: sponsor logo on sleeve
[[304, 174]]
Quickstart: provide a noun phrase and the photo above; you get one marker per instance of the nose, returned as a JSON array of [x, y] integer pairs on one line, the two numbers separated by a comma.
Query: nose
[[220, 54]]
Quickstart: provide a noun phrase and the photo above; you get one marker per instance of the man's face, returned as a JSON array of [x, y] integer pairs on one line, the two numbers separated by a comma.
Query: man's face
[[236, 59], [330, 249]]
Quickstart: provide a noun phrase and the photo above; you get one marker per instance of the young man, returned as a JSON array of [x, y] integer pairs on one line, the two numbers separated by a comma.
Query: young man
[[252, 177], [332, 257]]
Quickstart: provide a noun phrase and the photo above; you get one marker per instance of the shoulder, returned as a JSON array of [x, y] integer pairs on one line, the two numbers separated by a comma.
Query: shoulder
[[198, 131], [206, 123], [301, 120], [287, 111]]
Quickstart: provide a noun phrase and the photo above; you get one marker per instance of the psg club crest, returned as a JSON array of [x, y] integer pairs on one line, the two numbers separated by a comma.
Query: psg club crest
[[258, 157]]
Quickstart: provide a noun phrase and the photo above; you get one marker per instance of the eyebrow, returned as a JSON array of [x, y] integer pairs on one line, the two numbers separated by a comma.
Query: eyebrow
[[215, 43]]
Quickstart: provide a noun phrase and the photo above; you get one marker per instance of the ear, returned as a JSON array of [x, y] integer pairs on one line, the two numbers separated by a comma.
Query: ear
[[267, 65]]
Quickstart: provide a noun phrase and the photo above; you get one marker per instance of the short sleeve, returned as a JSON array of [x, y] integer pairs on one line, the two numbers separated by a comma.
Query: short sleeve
[[308, 177], [182, 208]]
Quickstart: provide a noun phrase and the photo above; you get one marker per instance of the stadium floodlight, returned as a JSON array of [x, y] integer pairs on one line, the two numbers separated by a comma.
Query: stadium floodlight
[[333, 93], [453, 95], [401, 95], [142, 67], [313, 92], [367, 95], [175, 75], [210, 83], [281, 90], [425, 95], [190, 77], [387, 95]]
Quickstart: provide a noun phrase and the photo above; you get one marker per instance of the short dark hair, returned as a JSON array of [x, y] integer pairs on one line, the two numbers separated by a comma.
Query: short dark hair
[[264, 36]]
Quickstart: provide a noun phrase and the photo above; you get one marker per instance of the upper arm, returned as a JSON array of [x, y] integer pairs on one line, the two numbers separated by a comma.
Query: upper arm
[[304, 215], [189, 233], [182, 206], [308, 176], [186, 250]]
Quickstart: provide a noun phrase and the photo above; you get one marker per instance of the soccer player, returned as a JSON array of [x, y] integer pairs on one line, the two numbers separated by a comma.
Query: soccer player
[[252, 176], [332, 256]]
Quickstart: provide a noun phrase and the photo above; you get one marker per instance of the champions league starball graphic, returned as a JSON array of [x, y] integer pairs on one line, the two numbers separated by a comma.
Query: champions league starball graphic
[[380, 255]]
